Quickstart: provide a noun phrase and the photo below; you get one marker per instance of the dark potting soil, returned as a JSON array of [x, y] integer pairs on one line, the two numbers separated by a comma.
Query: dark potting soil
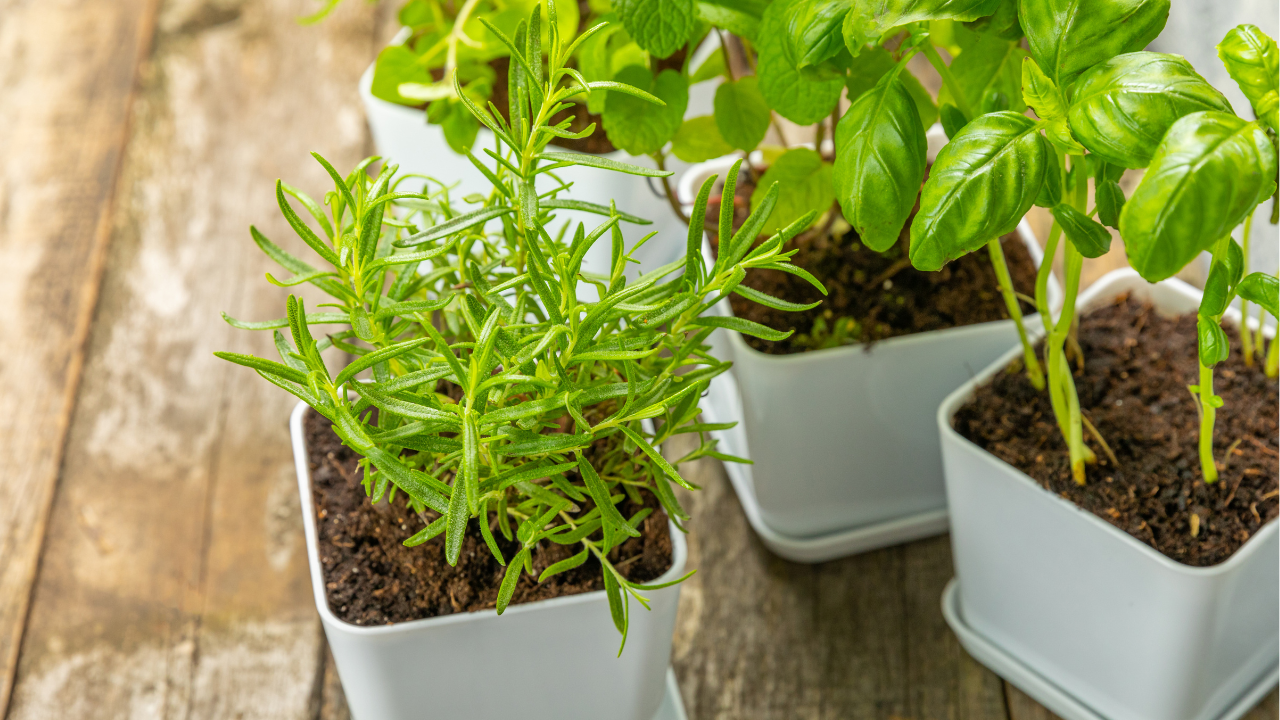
[[1134, 389], [371, 578], [871, 296]]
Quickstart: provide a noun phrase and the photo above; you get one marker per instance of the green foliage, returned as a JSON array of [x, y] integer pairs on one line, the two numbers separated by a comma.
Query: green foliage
[[741, 113], [990, 74], [699, 139], [981, 185], [872, 65], [1067, 37], [867, 21], [505, 386], [1252, 60], [788, 91], [641, 127], [1207, 175], [1122, 108], [803, 185], [813, 30], [1044, 97], [659, 26], [880, 162], [1088, 236]]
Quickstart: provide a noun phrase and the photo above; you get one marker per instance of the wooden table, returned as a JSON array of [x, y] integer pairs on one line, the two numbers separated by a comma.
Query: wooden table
[[151, 556]]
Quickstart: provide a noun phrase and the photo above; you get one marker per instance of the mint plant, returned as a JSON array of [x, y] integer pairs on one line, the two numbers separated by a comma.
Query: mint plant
[[497, 393]]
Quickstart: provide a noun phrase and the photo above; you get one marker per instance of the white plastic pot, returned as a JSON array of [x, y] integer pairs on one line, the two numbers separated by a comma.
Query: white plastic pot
[[1081, 615], [545, 660], [403, 135], [844, 441]]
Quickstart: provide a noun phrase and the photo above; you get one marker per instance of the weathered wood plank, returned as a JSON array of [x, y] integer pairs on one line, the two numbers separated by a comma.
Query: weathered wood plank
[[173, 580], [1022, 707], [67, 77], [862, 637]]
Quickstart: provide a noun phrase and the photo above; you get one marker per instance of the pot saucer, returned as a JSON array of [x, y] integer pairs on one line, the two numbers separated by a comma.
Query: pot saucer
[[723, 405], [1041, 689], [672, 707]]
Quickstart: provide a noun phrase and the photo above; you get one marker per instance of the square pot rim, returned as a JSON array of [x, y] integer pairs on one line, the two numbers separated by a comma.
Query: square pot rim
[[679, 557], [951, 405], [842, 353]]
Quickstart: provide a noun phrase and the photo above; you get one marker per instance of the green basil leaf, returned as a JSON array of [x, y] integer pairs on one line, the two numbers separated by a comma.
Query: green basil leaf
[[741, 113], [1086, 234], [699, 140], [1003, 23], [659, 26], [1067, 37], [1208, 173], [1121, 108], [639, 126], [804, 184], [980, 187], [872, 65], [953, 119], [989, 73], [813, 30], [1211, 342], [795, 97], [1262, 289], [1234, 262], [869, 19], [1217, 291], [1051, 191], [1253, 62], [880, 162], [1110, 200], [396, 65]]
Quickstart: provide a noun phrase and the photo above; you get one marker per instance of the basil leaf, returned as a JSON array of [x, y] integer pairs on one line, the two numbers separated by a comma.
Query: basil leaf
[[1262, 289], [988, 72], [1208, 173], [953, 119], [1253, 62], [1086, 234], [880, 162], [980, 186], [813, 30], [1067, 37], [396, 65], [659, 26], [804, 184], [1003, 23], [869, 19], [741, 113], [1110, 200], [1211, 342], [637, 125], [1046, 98], [1051, 191], [872, 65], [699, 140], [795, 97], [1217, 289], [1121, 108]]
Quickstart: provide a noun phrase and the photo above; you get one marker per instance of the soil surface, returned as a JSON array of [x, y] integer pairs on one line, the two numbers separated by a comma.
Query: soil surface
[[371, 578], [1134, 389], [870, 296]]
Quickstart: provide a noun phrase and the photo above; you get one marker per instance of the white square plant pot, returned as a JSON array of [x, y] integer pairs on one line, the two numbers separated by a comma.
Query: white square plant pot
[[547, 660], [1082, 616], [402, 135], [843, 441]]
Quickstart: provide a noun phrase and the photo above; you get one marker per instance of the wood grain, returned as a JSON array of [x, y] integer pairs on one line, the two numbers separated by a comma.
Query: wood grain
[[862, 637], [67, 78], [173, 581]]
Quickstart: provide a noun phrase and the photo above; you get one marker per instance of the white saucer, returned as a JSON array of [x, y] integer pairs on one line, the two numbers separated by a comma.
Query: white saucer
[[1045, 692], [723, 405], [672, 707]]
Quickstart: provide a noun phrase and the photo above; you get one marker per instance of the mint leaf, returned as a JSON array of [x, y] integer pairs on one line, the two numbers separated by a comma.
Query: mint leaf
[[698, 140], [639, 126], [398, 64], [740, 18], [794, 96], [659, 26], [804, 184], [742, 115]]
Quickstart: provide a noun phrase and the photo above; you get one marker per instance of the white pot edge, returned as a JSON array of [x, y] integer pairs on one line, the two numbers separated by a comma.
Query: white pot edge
[[679, 556]]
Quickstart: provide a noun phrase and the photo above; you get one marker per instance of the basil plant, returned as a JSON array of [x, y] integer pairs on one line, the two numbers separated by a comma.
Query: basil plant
[[505, 386]]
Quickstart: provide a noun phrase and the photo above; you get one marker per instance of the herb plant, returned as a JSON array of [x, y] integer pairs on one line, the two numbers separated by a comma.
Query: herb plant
[[499, 393]]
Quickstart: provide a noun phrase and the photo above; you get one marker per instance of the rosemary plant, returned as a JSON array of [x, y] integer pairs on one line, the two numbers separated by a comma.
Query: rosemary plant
[[498, 394]]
